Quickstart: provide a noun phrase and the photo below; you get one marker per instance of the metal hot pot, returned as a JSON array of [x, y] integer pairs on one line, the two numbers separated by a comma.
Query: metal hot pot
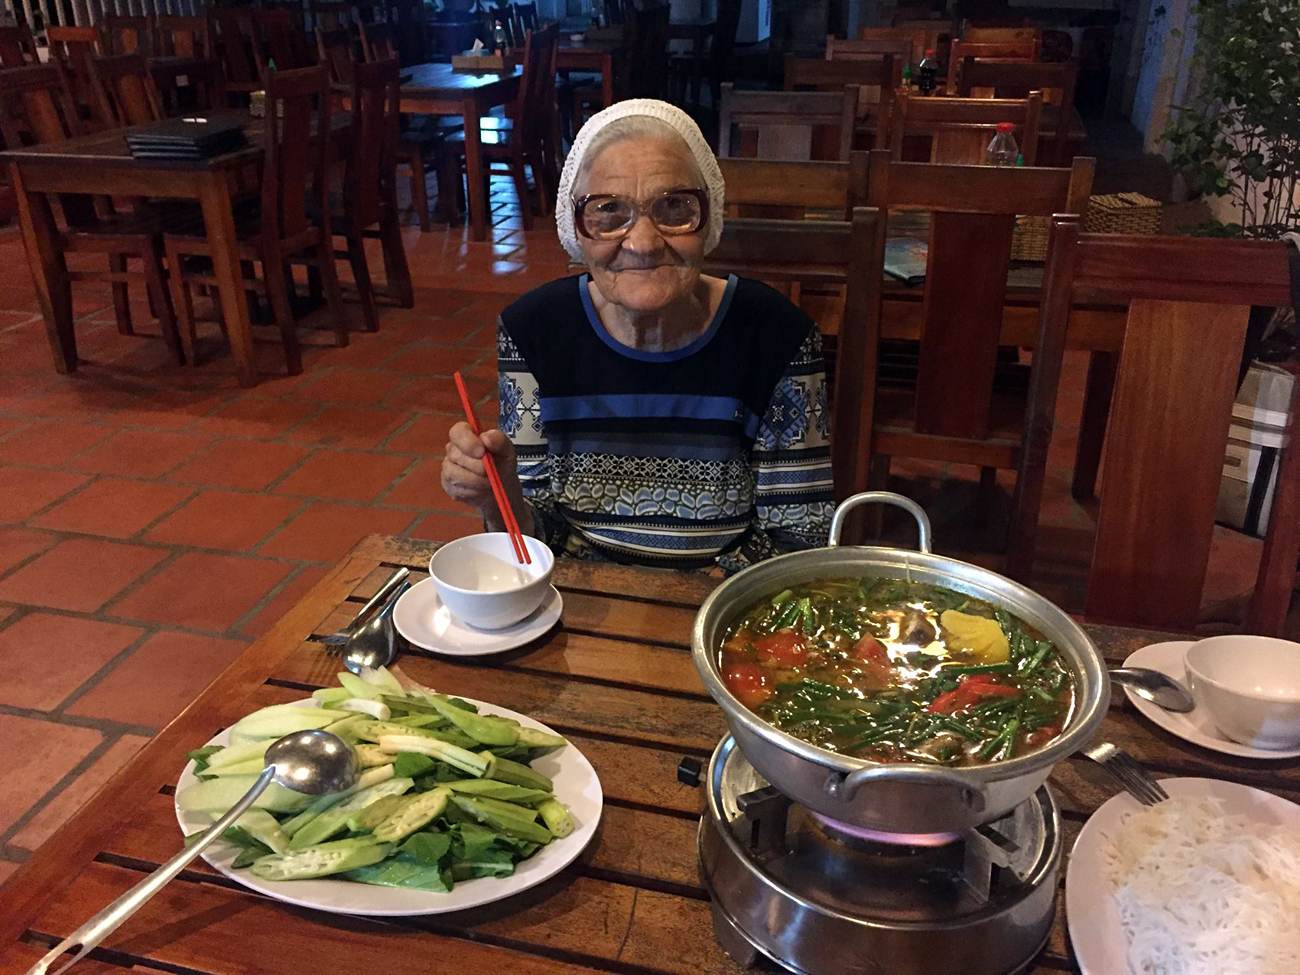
[[902, 797]]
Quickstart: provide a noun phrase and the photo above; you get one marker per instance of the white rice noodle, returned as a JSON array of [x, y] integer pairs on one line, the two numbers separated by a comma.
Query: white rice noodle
[[1201, 892]]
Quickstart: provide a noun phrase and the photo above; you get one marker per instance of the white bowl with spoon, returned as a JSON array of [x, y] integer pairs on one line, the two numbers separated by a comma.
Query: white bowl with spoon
[[483, 585], [1250, 686]]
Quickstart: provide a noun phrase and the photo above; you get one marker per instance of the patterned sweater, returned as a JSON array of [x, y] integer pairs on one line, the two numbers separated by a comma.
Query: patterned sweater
[[716, 453]]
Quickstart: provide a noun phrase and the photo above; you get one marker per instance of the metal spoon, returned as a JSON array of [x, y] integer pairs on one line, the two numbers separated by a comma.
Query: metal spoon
[[373, 645], [384, 591], [1155, 687], [311, 762]]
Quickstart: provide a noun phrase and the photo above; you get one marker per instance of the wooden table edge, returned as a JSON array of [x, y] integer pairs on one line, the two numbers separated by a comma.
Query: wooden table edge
[[80, 840]]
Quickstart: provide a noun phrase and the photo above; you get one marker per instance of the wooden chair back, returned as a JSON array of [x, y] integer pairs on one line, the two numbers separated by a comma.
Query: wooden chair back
[[961, 128], [959, 50], [182, 37], [949, 415], [125, 92], [128, 35], [787, 190], [527, 15], [335, 49], [813, 253], [17, 47], [877, 79], [1001, 35], [280, 39], [925, 35], [783, 125], [377, 42], [647, 51], [234, 41], [297, 128], [35, 106], [614, 11], [1010, 79], [536, 106], [331, 15], [73, 47], [370, 180], [902, 49], [204, 87], [1188, 301]]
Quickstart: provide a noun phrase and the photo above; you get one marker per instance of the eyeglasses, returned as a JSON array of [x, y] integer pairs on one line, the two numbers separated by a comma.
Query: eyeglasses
[[608, 216]]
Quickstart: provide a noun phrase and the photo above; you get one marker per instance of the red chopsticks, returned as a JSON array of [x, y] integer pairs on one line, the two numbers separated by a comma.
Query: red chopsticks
[[494, 478]]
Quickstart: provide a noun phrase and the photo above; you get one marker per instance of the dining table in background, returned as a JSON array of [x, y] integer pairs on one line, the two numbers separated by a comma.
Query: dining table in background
[[615, 677], [439, 89], [594, 55], [101, 165]]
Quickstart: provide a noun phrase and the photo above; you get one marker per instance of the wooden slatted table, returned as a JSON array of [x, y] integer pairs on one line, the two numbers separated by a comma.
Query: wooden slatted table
[[616, 678]]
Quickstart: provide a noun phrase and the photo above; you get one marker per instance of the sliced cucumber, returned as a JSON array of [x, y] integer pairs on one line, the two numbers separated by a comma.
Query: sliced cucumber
[[322, 860], [327, 697], [361, 705], [262, 826], [371, 756], [370, 777], [281, 720], [460, 758], [415, 813], [356, 687], [253, 766], [365, 820], [381, 677], [218, 795], [335, 820], [231, 754]]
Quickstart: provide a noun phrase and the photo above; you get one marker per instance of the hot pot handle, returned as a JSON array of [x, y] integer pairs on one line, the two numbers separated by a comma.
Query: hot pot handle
[[883, 497], [844, 788]]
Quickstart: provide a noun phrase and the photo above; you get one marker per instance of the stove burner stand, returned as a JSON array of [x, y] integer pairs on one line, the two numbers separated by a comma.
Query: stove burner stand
[[824, 898]]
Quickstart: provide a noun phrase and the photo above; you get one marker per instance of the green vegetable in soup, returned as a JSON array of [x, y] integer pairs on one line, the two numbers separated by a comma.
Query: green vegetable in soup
[[897, 671]]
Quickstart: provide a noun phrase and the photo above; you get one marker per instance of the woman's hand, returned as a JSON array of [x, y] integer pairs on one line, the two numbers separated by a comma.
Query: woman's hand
[[465, 479]]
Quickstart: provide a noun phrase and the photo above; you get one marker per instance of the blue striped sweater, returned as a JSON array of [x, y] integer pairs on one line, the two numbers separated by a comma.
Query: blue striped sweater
[[717, 453]]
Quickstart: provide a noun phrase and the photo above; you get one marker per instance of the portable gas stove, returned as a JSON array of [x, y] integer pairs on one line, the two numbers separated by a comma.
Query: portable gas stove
[[823, 898]]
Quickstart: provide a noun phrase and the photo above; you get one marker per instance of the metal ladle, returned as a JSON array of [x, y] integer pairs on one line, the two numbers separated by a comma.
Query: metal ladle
[[1156, 687], [373, 645], [311, 762]]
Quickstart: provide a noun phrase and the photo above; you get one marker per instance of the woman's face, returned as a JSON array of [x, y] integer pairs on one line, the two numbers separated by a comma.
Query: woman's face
[[644, 271]]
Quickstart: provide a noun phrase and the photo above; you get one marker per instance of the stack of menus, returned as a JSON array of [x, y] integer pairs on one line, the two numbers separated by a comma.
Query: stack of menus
[[192, 137]]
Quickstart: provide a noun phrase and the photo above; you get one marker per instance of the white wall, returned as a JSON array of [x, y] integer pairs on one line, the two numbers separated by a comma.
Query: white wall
[[1163, 72]]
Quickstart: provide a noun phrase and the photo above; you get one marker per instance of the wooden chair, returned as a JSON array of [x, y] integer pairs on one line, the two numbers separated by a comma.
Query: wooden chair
[[868, 49], [953, 412], [959, 50], [335, 48], [204, 84], [785, 124], [960, 129], [182, 37], [526, 14], [125, 92], [279, 41], [330, 15], [1188, 300], [73, 47], [524, 139], [647, 52], [377, 42], [877, 80], [235, 43], [17, 48], [925, 35], [369, 197], [38, 97], [128, 35], [1009, 79], [786, 190], [1000, 35], [277, 227]]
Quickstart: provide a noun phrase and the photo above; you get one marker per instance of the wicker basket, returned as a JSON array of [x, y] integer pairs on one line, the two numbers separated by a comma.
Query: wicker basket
[[1122, 213], [1029, 239]]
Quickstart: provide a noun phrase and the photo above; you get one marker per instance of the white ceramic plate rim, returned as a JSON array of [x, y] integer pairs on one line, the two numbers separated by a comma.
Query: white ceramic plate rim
[[576, 784], [1168, 659], [421, 601], [1096, 931]]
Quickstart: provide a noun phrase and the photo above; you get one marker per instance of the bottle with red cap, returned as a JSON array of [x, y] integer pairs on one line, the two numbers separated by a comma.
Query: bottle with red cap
[[1002, 151], [927, 74]]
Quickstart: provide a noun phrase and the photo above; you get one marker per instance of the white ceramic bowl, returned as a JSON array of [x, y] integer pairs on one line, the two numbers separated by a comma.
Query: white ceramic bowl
[[1250, 686], [481, 582]]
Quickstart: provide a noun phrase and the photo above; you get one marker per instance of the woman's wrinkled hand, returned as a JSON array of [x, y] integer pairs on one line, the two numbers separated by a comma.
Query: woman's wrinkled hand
[[465, 479]]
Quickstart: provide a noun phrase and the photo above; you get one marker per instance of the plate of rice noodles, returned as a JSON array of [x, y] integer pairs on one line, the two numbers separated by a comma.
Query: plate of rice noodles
[[1204, 883]]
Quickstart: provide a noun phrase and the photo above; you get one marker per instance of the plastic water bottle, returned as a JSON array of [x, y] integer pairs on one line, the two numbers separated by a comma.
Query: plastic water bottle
[[1002, 151], [928, 70], [499, 39]]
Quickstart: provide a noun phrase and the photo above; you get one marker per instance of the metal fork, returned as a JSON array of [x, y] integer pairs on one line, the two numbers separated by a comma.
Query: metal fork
[[1136, 780], [335, 640]]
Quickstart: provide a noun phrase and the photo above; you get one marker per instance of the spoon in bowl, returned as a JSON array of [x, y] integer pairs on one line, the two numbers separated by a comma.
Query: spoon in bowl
[[311, 762], [1156, 687]]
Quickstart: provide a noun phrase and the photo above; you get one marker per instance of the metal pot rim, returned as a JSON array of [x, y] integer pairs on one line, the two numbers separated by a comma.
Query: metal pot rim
[[1067, 635]]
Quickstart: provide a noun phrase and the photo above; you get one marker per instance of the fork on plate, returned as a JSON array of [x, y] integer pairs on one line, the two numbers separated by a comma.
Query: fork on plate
[[1137, 781]]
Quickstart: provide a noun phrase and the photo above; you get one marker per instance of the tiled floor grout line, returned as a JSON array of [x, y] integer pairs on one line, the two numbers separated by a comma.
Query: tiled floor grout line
[[91, 757], [106, 725]]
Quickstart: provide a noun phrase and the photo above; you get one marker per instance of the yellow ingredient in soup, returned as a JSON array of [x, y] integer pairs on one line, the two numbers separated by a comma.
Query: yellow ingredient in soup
[[977, 635]]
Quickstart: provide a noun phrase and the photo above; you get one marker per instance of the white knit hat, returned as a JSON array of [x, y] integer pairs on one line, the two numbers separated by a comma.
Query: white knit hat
[[676, 119]]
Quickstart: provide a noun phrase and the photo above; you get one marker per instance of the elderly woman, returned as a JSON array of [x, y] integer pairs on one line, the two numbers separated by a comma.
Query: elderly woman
[[650, 413]]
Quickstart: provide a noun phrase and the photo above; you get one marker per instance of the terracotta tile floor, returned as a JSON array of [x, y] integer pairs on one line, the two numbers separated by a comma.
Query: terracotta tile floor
[[154, 519]]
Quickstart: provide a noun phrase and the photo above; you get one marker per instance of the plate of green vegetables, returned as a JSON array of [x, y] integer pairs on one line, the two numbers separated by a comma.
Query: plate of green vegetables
[[458, 803]]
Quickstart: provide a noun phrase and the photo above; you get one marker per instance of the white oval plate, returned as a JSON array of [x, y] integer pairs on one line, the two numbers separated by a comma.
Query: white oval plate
[[1194, 726], [426, 623], [576, 785], [1096, 931]]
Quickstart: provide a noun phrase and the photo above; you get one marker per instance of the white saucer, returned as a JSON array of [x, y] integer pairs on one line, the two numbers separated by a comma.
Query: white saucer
[[426, 623], [1194, 726]]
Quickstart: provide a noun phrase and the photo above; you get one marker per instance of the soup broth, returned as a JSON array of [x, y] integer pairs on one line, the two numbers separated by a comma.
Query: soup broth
[[895, 671]]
